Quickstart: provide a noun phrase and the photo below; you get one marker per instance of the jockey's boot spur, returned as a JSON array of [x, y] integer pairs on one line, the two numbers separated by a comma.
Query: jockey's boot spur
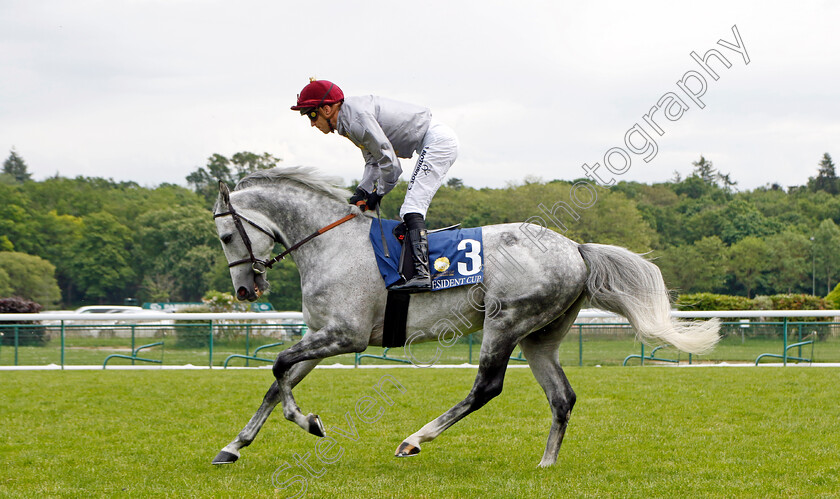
[[418, 248]]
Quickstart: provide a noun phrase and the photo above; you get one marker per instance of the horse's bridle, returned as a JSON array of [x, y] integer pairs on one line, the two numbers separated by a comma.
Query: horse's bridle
[[267, 264]]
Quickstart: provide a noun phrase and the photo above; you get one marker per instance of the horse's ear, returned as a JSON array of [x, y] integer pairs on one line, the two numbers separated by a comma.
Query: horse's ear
[[224, 191]]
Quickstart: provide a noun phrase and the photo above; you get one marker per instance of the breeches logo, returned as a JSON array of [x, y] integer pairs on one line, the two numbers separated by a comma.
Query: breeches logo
[[421, 167]]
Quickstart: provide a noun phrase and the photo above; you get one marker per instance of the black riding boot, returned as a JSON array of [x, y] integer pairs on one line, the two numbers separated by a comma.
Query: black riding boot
[[418, 247]]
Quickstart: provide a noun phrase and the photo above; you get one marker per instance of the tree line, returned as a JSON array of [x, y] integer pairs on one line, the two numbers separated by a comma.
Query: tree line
[[71, 241]]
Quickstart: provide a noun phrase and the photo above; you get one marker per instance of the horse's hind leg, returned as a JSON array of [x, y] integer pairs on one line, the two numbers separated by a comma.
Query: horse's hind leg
[[495, 354], [541, 349], [231, 451]]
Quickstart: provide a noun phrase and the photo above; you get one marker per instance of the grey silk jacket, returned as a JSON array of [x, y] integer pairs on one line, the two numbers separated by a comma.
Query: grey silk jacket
[[384, 130]]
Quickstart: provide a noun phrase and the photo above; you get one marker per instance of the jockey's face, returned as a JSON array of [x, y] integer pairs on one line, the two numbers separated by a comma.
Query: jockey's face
[[320, 122], [327, 118]]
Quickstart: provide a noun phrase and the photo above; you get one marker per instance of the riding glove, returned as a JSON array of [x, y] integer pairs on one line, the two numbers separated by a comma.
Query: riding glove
[[359, 195], [373, 200]]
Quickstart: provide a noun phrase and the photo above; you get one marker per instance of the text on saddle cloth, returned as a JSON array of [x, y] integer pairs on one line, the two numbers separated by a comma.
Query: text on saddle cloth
[[456, 257]]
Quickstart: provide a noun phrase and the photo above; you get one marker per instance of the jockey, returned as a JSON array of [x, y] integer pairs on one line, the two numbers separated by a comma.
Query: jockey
[[386, 130]]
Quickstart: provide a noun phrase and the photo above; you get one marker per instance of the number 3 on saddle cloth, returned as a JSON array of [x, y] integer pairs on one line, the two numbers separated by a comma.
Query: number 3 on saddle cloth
[[456, 258], [455, 255]]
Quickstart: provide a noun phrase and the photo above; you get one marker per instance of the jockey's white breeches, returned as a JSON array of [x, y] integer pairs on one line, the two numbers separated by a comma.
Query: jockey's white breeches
[[439, 150]]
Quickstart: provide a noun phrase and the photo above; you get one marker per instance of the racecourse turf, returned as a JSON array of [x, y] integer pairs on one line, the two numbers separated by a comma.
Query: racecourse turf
[[635, 432]]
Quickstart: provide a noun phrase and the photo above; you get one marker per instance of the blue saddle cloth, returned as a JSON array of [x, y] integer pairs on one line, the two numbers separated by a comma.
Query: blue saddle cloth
[[456, 257]]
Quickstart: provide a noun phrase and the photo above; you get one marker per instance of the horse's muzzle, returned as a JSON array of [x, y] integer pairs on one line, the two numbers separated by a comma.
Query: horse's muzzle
[[242, 293]]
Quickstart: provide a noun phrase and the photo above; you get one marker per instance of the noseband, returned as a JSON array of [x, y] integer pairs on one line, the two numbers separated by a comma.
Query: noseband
[[267, 264]]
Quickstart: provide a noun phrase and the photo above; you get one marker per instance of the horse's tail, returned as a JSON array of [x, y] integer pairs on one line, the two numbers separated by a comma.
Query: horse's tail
[[627, 284]]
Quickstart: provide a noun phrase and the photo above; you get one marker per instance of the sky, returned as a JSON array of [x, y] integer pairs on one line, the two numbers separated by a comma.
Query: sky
[[147, 90]]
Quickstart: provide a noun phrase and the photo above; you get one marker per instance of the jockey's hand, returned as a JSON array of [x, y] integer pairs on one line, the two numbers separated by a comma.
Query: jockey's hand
[[373, 200], [358, 197]]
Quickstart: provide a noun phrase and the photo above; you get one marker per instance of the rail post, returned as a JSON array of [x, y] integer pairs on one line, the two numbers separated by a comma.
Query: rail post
[[211, 343], [799, 340], [247, 343], [580, 345], [785, 343], [17, 342], [62, 345]]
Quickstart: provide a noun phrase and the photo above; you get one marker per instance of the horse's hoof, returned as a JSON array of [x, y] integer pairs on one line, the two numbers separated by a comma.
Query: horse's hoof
[[406, 449], [316, 427], [225, 457]]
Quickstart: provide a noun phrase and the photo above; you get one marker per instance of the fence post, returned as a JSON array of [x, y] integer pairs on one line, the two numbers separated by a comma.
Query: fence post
[[62, 345], [643, 354], [784, 345], [16, 344], [248, 343], [132, 343], [580, 345], [211, 343], [799, 348], [784, 341]]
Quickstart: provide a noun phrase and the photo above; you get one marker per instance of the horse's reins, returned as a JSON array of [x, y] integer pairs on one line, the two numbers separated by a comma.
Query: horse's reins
[[253, 260]]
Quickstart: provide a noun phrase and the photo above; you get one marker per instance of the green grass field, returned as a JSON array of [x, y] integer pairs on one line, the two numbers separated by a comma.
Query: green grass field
[[635, 432]]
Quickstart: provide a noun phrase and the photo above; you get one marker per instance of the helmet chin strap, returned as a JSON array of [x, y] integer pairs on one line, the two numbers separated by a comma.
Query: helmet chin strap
[[329, 119]]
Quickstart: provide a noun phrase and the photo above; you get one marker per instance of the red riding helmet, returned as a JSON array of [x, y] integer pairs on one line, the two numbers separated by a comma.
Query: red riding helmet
[[317, 93]]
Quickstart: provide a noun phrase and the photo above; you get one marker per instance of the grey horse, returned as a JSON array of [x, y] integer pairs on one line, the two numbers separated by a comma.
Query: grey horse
[[535, 281]]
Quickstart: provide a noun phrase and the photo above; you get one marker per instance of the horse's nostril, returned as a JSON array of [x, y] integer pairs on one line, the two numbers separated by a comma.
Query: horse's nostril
[[242, 292]]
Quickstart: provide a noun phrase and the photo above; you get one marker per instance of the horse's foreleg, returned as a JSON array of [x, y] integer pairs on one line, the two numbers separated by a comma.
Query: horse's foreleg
[[231, 451], [488, 384], [315, 345]]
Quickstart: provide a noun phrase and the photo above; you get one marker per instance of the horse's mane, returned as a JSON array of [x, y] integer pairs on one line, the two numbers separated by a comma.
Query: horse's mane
[[303, 175]]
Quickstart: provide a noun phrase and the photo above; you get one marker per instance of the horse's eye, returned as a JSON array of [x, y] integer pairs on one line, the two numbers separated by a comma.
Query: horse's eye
[[226, 238]]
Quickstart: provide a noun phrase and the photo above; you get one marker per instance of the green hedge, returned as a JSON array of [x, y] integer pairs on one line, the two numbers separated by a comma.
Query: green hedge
[[833, 298], [713, 302], [798, 302], [29, 332]]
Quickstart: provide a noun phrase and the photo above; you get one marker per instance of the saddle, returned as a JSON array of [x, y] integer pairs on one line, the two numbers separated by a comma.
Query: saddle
[[456, 258]]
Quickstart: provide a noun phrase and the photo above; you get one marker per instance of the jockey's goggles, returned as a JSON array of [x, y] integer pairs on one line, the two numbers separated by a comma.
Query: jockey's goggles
[[311, 113]]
